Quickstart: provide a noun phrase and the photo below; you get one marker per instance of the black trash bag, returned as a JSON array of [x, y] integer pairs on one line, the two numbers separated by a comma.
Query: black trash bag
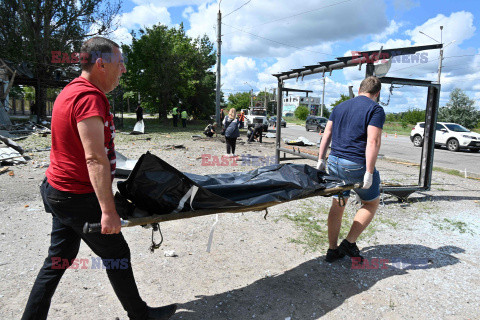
[[158, 188]]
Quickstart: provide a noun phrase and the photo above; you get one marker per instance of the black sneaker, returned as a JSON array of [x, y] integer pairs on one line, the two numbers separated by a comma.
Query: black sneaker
[[334, 255], [161, 313], [350, 249]]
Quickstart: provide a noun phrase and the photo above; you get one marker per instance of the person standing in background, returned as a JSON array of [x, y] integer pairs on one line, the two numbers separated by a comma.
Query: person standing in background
[[175, 116], [231, 124], [184, 116], [139, 113]]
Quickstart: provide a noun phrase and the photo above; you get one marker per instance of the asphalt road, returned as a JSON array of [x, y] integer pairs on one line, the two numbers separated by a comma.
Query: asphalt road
[[401, 148]]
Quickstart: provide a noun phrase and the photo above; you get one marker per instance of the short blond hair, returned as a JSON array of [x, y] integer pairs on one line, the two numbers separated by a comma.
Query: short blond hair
[[232, 114], [371, 85]]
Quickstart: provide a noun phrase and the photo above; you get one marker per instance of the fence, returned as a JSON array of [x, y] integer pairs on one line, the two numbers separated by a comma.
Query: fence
[[22, 107]]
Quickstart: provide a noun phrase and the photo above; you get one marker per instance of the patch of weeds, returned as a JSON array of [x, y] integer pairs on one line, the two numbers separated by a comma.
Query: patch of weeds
[[452, 225], [392, 304], [427, 206], [311, 219], [387, 221]]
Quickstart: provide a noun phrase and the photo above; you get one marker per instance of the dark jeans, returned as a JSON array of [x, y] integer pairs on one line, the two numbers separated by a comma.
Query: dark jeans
[[175, 120], [231, 143], [69, 213], [184, 123]]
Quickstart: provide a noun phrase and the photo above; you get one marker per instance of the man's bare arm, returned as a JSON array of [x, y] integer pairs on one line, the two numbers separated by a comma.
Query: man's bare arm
[[326, 139], [91, 132], [374, 139]]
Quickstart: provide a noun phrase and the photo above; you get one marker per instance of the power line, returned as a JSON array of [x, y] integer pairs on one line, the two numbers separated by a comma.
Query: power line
[[237, 9], [292, 16], [278, 42]]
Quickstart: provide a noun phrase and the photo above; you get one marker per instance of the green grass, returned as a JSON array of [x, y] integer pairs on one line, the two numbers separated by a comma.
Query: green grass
[[165, 126], [396, 127], [453, 225], [310, 218], [294, 120]]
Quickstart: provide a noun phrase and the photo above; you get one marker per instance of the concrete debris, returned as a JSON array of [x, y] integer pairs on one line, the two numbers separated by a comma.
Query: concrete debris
[[12, 144], [28, 128], [170, 253], [4, 169], [9, 155], [270, 135]]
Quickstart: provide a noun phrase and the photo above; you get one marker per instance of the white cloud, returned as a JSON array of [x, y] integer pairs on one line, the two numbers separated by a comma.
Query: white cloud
[[145, 16], [187, 12], [391, 29], [301, 30], [237, 71], [121, 36], [458, 26]]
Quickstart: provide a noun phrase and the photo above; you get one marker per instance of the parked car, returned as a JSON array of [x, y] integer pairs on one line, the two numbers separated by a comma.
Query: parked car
[[272, 121], [451, 135], [315, 123]]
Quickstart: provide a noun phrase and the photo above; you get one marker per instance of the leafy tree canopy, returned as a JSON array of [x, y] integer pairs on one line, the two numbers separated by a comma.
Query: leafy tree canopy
[[168, 68], [343, 97], [31, 30], [239, 100], [460, 109], [301, 112]]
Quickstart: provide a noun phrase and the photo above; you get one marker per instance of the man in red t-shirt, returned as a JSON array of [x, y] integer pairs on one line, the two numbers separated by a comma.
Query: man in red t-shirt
[[78, 186]]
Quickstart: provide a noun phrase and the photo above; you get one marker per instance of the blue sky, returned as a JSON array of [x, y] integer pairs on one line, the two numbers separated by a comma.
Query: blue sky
[[268, 36]]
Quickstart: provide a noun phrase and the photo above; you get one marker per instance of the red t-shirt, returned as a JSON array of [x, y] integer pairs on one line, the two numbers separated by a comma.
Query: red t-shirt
[[78, 101]]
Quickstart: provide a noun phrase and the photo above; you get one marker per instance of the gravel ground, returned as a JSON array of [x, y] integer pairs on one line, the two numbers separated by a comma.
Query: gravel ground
[[257, 268]]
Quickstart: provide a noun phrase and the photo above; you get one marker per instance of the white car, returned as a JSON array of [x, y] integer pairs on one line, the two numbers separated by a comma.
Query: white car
[[451, 135]]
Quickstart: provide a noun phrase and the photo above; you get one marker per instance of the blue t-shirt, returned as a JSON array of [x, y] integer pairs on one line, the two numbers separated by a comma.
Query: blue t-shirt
[[349, 128]]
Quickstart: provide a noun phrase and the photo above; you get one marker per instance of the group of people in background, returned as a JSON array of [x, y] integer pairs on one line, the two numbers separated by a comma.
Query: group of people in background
[[177, 111], [232, 123]]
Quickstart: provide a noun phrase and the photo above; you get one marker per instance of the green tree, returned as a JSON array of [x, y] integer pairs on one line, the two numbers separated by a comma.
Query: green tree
[[343, 97], [301, 112], [412, 116], [31, 30], [460, 109], [326, 112], [239, 100], [166, 66]]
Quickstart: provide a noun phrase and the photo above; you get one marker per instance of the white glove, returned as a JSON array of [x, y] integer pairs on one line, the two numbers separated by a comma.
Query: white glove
[[321, 164], [367, 180]]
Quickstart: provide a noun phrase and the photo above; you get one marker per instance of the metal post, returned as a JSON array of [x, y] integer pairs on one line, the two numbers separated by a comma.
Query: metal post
[[265, 103], [279, 117], [323, 98], [441, 56], [219, 64], [369, 70]]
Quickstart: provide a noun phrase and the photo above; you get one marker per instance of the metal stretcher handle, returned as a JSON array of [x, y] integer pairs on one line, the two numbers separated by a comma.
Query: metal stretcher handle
[[97, 226], [92, 227]]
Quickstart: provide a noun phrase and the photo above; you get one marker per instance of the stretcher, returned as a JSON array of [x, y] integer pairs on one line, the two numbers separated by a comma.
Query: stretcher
[[156, 192]]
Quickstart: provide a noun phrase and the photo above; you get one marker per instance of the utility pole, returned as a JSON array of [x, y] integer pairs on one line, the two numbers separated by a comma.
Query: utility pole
[[441, 55], [265, 103], [441, 51], [219, 64], [251, 97], [323, 98]]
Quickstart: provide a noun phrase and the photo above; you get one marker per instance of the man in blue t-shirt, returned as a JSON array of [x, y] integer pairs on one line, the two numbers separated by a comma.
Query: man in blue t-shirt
[[355, 131]]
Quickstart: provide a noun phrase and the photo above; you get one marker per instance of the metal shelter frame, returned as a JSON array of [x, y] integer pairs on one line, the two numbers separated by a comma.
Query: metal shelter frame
[[368, 58]]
